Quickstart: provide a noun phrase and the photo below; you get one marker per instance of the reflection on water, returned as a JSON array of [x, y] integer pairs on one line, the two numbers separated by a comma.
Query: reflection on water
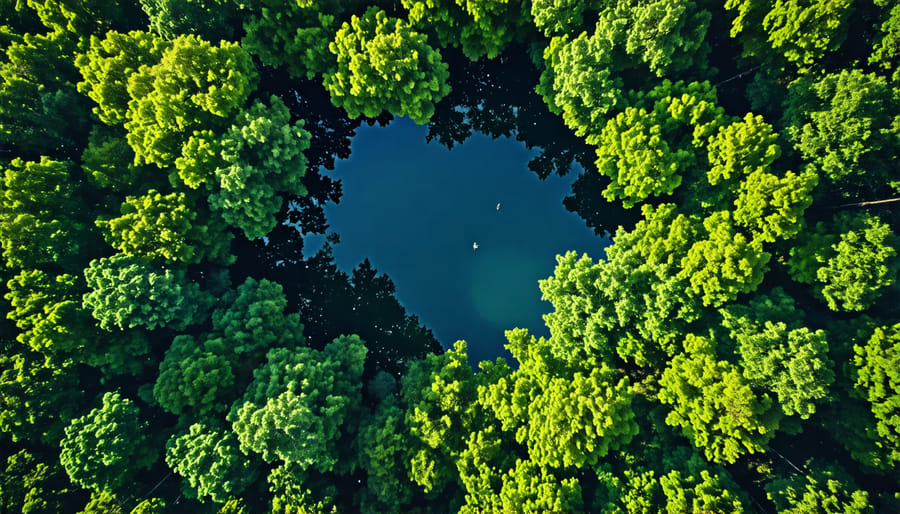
[[415, 209]]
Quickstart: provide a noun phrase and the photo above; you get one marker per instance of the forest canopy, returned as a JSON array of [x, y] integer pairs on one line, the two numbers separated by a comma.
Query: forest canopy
[[167, 347]]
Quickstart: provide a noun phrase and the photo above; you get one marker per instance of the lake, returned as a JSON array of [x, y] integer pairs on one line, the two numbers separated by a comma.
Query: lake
[[414, 209]]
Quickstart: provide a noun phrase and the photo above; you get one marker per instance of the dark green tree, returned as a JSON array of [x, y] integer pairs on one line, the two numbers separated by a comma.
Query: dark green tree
[[385, 455], [301, 404], [31, 486], [793, 364], [210, 461], [851, 262], [39, 224], [108, 163], [887, 43], [262, 156], [104, 448], [479, 29], [195, 375], [824, 489], [41, 113], [210, 19], [793, 30], [126, 292], [666, 35], [252, 319], [295, 35], [845, 126], [39, 398], [877, 366]]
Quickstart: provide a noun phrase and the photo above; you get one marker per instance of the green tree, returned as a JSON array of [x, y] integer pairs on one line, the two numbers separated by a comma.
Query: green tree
[[103, 502], [194, 86], [632, 152], [667, 35], [633, 303], [150, 506], [544, 404], [579, 82], [385, 456], [706, 492], [562, 17], [825, 489], [646, 149], [39, 398], [41, 113], [37, 224], [877, 364], [195, 375], [31, 486], [850, 265], [154, 225], [793, 364], [845, 126], [724, 263], [47, 310], [530, 488], [295, 35], [384, 65], [210, 19], [772, 207], [300, 405], [108, 65], [252, 320], [715, 407], [167, 228], [441, 395], [126, 292], [887, 44], [209, 459], [576, 331], [480, 29], [201, 156], [263, 156], [800, 32], [736, 150], [104, 448]]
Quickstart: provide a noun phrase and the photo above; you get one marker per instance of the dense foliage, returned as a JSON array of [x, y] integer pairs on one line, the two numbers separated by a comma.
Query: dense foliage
[[166, 347]]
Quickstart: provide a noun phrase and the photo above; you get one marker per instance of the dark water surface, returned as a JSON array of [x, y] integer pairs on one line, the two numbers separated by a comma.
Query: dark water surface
[[414, 209]]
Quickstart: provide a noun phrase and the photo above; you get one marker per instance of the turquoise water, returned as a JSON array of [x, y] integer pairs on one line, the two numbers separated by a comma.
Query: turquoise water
[[414, 209]]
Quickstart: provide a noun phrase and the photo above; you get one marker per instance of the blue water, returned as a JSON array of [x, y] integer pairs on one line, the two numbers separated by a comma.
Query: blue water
[[414, 209]]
